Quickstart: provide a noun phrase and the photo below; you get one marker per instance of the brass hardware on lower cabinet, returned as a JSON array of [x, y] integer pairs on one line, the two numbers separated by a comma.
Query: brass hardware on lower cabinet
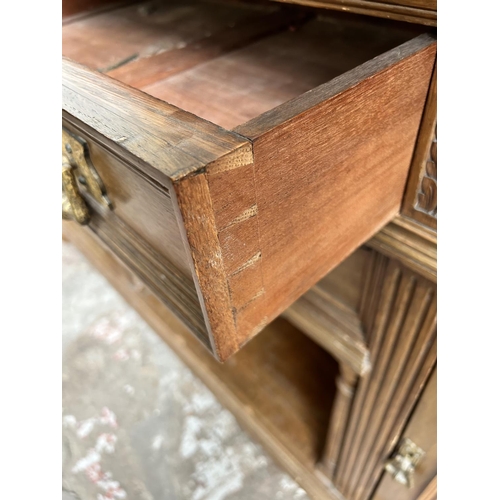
[[402, 465]]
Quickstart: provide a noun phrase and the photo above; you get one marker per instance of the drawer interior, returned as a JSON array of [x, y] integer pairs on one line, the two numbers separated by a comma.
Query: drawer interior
[[226, 62]]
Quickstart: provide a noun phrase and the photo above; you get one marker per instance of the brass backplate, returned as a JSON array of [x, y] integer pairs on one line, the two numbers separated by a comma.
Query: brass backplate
[[76, 151]]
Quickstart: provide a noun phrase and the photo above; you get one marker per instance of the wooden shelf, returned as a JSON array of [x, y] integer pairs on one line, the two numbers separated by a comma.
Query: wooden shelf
[[280, 387], [289, 382]]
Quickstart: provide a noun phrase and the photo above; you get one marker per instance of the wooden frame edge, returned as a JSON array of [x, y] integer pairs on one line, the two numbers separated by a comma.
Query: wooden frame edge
[[411, 244], [405, 13], [201, 227], [193, 206]]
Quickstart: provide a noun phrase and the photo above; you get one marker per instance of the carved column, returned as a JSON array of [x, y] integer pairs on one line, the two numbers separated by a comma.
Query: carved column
[[345, 383]]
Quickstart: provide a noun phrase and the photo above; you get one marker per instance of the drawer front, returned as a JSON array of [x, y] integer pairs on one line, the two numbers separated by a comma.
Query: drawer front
[[136, 199], [137, 221], [249, 219]]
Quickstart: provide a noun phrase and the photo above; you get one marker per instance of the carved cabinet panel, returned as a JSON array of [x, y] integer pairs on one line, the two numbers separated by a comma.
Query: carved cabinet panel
[[420, 201]]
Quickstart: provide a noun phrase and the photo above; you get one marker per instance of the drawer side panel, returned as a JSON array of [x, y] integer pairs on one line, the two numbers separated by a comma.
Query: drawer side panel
[[331, 176]]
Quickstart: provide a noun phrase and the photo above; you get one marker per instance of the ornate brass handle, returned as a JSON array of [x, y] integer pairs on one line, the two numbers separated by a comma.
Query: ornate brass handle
[[73, 204], [76, 164]]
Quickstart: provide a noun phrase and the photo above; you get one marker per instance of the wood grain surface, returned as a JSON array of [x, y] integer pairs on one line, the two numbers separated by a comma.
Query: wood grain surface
[[164, 141], [346, 385], [172, 286], [329, 312], [73, 10], [245, 83], [146, 29], [143, 71], [144, 205], [409, 242], [227, 228], [324, 157], [195, 207], [430, 493]]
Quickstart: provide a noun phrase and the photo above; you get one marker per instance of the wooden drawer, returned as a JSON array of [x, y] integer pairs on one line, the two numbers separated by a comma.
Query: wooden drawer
[[245, 150]]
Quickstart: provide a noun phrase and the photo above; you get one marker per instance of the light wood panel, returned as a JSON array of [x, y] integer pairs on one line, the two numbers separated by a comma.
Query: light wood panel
[[430, 493], [141, 72], [329, 312], [339, 418], [411, 243]]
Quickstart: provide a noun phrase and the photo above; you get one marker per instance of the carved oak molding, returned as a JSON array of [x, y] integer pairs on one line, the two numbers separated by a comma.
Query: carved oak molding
[[427, 195], [420, 201]]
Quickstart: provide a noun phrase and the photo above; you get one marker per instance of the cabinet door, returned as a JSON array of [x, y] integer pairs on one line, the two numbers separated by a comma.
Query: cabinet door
[[421, 430]]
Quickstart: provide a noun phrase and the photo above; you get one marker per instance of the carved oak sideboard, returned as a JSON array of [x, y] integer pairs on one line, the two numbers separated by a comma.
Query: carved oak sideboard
[[259, 181]]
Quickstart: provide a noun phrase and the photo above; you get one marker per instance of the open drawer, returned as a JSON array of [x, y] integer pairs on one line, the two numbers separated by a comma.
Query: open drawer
[[233, 154]]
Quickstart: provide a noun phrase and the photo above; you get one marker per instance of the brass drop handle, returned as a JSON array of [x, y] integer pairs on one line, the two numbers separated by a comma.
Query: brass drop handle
[[402, 465], [73, 204], [76, 164]]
